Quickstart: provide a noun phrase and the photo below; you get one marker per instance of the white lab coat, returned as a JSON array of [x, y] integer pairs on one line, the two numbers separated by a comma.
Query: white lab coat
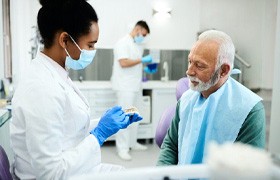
[[127, 138], [127, 84], [50, 126], [128, 78]]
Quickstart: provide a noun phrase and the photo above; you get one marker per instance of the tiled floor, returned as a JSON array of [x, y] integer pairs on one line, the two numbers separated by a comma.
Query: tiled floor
[[149, 157]]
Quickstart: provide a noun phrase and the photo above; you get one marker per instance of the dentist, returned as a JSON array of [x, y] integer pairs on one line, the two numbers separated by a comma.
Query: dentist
[[51, 133]]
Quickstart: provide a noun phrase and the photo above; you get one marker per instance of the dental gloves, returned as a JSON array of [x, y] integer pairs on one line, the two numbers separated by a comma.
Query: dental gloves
[[149, 71], [151, 68], [147, 59], [111, 122]]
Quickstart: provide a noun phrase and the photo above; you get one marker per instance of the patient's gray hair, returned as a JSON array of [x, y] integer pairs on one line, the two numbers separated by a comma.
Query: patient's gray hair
[[226, 51]]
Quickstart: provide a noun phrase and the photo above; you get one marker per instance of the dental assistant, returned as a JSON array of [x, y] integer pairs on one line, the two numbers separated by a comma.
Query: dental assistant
[[51, 133], [126, 81]]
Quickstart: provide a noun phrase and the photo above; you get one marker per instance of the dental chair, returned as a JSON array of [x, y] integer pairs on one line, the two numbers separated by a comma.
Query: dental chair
[[4, 165], [169, 113]]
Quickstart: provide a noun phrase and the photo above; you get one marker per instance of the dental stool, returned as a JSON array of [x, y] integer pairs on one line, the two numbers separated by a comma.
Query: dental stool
[[169, 113]]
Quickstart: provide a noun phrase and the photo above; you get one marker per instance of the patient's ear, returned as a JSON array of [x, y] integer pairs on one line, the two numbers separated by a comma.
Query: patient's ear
[[225, 69]]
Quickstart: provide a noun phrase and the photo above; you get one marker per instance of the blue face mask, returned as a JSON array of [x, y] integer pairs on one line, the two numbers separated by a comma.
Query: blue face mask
[[139, 39], [86, 57]]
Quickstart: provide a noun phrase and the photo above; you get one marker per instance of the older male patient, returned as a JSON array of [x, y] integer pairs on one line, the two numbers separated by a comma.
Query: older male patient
[[216, 108]]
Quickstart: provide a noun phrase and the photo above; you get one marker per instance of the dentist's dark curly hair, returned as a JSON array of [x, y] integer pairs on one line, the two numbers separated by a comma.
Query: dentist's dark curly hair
[[72, 16]]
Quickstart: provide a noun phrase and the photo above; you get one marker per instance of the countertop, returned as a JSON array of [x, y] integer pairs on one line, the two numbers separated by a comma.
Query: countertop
[[108, 84]]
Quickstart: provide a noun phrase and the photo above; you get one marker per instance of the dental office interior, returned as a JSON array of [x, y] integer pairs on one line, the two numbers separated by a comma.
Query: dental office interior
[[254, 27]]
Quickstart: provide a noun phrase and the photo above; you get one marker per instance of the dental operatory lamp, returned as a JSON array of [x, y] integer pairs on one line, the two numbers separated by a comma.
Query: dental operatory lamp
[[161, 9], [165, 13]]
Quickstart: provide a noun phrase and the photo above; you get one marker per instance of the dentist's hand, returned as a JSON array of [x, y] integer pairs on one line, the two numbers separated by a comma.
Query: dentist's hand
[[111, 122], [147, 59]]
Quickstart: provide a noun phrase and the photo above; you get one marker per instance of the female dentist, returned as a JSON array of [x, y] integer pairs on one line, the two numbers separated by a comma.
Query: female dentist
[[50, 131]]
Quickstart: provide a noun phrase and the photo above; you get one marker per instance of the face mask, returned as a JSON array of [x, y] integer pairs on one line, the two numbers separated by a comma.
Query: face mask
[[86, 57], [139, 39]]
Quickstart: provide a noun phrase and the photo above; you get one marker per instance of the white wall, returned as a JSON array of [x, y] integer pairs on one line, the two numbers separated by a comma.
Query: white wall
[[115, 16], [251, 25], [177, 32], [268, 48], [21, 32], [1, 43], [274, 145]]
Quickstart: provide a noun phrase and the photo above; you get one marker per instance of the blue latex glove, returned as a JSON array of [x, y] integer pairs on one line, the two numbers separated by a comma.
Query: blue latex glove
[[134, 117], [110, 123], [149, 71], [147, 59]]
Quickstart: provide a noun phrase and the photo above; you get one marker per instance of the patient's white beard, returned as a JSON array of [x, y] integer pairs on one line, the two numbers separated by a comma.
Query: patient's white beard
[[203, 86]]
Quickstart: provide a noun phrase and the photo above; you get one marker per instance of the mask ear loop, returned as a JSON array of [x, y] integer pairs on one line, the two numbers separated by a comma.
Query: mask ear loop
[[67, 52], [66, 49], [75, 42]]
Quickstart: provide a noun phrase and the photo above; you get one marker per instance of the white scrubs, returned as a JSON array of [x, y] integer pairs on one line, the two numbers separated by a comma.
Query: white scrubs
[[127, 83], [50, 126], [127, 138]]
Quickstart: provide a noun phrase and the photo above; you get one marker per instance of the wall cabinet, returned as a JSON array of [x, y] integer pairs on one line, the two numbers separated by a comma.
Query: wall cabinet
[[157, 97]]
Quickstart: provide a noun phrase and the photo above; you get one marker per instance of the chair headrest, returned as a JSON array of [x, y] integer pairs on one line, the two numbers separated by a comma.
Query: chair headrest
[[181, 87]]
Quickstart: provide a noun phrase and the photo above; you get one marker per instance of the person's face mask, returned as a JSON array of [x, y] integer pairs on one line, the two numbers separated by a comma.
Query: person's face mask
[[86, 57], [139, 39]]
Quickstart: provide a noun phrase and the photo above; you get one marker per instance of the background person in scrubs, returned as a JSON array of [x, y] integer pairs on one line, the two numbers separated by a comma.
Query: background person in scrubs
[[216, 108], [126, 79], [51, 134]]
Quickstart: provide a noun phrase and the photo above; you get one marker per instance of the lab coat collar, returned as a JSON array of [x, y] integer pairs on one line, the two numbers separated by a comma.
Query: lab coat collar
[[60, 70], [61, 75]]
